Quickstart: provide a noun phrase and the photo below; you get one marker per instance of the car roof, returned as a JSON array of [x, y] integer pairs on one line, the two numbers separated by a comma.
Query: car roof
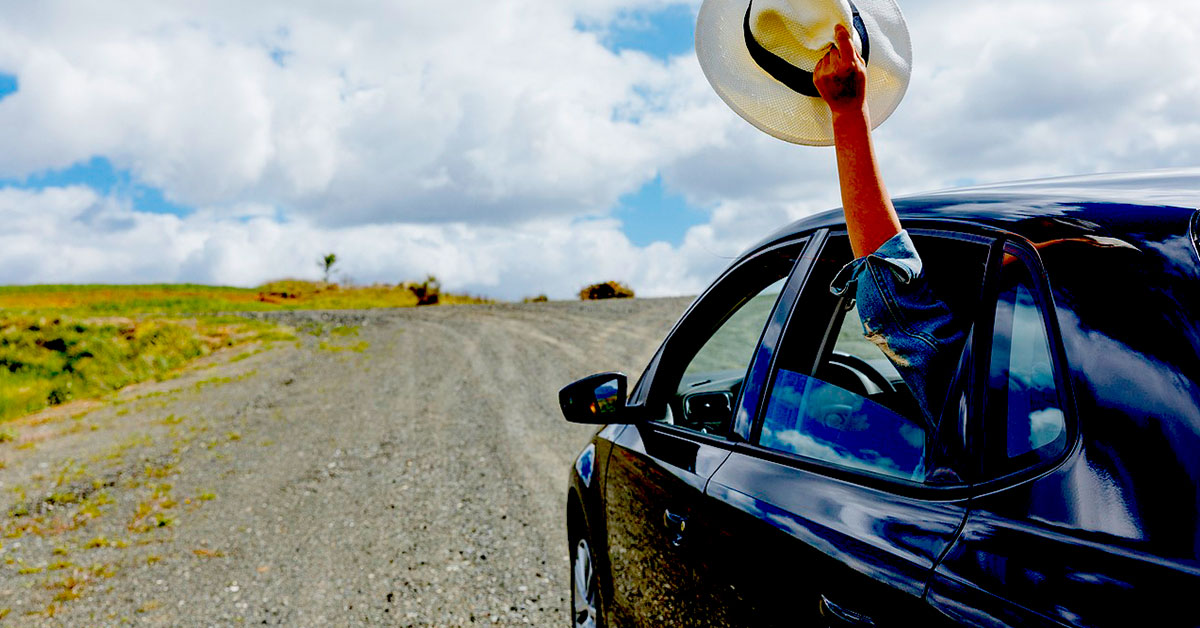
[[1131, 207]]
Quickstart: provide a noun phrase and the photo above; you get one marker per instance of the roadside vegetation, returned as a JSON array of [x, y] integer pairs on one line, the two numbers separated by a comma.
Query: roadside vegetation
[[190, 299], [47, 361], [606, 290], [60, 343]]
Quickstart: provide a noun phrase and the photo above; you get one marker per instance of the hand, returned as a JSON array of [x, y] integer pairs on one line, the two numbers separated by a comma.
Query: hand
[[841, 76]]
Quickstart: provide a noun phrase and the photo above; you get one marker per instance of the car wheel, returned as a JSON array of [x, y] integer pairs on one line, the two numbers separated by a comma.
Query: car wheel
[[585, 597]]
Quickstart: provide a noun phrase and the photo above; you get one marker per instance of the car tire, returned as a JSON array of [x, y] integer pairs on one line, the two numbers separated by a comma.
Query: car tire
[[586, 606]]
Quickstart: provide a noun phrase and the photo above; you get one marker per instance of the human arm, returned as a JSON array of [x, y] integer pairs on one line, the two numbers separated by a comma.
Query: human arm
[[841, 79], [899, 310]]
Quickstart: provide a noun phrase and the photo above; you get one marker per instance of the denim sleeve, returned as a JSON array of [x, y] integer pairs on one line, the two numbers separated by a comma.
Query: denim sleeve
[[905, 319]]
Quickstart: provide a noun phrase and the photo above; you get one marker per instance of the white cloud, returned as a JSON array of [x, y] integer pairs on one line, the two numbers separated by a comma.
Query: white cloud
[[487, 142], [1025, 89], [485, 111], [96, 239]]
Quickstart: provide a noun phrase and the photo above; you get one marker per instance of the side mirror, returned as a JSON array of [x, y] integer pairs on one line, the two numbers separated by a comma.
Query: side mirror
[[594, 400], [708, 408]]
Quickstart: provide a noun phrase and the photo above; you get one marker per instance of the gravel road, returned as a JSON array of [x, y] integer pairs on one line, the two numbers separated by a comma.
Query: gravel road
[[401, 467]]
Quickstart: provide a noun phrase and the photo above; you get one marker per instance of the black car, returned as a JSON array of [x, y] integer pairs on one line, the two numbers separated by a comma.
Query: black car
[[771, 468]]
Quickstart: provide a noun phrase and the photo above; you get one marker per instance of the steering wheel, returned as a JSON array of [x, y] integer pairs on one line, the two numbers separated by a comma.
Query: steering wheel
[[861, 367]]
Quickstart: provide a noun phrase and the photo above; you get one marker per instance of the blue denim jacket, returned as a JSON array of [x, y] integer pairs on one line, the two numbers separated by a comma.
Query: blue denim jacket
[[903, 317]]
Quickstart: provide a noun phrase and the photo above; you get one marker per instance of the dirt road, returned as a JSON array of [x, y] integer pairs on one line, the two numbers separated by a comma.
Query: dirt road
[[390, 468]]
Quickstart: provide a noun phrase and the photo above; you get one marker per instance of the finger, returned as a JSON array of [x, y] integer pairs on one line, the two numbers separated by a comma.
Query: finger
[[842, 38], [833, 57], [825, 65], [839, 30]]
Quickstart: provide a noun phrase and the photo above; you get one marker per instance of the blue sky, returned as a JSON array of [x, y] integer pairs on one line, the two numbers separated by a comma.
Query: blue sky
[[8, 84], [100, 175], [97, 173], [270, 140], [654, 214], [651, 214], [661, 33]]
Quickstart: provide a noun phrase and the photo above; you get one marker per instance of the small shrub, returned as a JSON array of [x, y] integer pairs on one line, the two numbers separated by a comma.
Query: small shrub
[[606, 290], [427, 292], [541, 298]]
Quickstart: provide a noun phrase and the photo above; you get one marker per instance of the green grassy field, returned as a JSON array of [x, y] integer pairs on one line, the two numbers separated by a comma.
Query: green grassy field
[[62, 343], [185, 299], [47, 361]]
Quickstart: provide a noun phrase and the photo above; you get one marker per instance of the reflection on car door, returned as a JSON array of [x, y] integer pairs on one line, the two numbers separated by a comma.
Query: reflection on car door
[[655, 479], [798, 548], [837, 510], [1056, 537], [658, 468]]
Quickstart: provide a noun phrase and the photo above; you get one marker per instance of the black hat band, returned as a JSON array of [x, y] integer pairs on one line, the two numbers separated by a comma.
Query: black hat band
[[798, 80]]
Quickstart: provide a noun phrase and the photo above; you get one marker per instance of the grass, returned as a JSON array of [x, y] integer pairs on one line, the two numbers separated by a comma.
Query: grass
[[186, 299], [47, 361], [60, 343]]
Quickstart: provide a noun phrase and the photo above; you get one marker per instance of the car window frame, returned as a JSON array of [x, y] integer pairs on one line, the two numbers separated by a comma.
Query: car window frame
[[1043, 297], [644, 389], [952, 230], [1194, 233]]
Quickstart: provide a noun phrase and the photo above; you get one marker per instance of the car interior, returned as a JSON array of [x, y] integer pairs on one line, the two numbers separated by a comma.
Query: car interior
[[955, 270], [711, 356], [712, 378], [836, 397]]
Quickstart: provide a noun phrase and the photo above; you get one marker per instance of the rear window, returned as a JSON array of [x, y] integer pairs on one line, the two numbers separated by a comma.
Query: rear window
[[1195, 229], [1026, 423]]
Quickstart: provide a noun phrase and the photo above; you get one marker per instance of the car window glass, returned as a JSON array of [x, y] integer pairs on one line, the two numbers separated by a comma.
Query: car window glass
[[851, 342], [1024, 412], [839, 416], [852, 408], [816, 419], [732, 346], [707, 358]]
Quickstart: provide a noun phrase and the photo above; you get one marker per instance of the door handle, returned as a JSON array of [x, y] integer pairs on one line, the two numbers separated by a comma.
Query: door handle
[[676, 525], [842, 616]]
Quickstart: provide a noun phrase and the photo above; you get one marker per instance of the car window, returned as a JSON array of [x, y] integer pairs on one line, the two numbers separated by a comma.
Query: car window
[[707, 358], [1025, 418], [732, 346], [835, 397], [816, 419], [852, 413]]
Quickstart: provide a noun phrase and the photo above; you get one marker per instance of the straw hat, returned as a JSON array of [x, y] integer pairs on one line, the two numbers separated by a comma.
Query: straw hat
[[759, 55]]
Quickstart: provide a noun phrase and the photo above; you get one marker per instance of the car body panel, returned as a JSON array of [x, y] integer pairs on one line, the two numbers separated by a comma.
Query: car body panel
[[1107, 534], [656, 481], [585, 500], [786, 537], [1112, 535]]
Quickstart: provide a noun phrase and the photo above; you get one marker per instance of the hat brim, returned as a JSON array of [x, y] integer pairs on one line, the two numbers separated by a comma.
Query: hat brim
[[775, 108]]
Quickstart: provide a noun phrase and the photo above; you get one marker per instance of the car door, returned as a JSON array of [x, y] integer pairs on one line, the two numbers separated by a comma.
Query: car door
[[658, 467], [840, 503], [1060, 535]]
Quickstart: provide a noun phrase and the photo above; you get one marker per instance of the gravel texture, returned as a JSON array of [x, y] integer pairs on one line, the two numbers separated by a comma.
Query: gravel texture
[[400, 467]]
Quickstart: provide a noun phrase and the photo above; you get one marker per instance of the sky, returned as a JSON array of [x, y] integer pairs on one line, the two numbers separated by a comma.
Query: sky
[[513, 147]]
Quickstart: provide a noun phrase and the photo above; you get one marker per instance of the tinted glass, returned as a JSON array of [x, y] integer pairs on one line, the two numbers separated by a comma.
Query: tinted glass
[[838, 398], [851, 341], [732, 346], [816, 419], [1022, 394], [706, 359]]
